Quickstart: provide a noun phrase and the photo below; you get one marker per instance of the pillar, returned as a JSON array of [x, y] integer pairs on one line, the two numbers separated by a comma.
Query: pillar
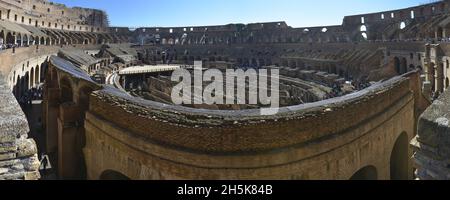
[[439, 75], [69, 155], [427, 63], [51, 97]]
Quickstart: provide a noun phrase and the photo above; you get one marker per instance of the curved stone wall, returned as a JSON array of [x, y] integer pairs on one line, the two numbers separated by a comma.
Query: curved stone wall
[[330, 139]]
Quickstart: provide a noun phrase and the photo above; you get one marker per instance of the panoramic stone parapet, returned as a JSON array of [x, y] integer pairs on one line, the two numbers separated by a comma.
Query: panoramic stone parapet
[[432, 144], [18, 154]]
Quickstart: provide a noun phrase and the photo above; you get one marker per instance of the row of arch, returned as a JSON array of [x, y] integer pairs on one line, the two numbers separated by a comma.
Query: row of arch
[[323, 37], [398, 163], [401, 65], [401, 30], [54, 38], [330, 68], [248, 62], [364, 32], [31, 79]]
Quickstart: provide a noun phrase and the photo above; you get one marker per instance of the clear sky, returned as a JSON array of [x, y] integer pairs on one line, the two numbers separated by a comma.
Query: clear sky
[[297, 13]]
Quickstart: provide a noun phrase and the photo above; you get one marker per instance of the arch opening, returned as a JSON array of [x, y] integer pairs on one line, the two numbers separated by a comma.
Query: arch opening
[[366, 173], [363, 28], [399, 158], [402, 25], [113, 175]]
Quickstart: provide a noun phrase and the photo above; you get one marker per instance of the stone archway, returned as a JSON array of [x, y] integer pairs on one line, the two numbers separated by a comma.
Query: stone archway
[[25, 40], [2, 37], [399, 158], [32, 78], [18, 87], [37, 78], [9, 38], [397, 65], [37, 41], [366, 173], [25, 84], [43, 70], [19, 40], [113, 175], [403, 66]]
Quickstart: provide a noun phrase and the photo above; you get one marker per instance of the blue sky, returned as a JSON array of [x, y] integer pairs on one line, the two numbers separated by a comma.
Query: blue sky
[[297, 13]]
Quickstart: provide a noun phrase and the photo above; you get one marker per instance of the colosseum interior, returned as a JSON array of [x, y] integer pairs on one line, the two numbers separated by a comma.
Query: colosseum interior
[[364, 100]]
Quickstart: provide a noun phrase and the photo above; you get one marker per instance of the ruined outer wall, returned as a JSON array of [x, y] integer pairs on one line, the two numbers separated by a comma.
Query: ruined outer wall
[[422, 11], [372, 26], [331, 139]]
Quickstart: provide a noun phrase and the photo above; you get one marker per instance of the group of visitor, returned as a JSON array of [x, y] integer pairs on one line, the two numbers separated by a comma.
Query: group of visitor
[[7, 46], [29, 96], [336, 91], [435, 95], [361, 84]]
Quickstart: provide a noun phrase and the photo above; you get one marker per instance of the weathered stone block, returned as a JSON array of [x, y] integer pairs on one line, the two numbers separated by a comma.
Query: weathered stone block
[[26, 147], [6, 138], [18, 167], [8, 163], [7, 156], [31, 163], [13, 176], [3, 170], [32, 175], [432, 144], [7, 147]]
